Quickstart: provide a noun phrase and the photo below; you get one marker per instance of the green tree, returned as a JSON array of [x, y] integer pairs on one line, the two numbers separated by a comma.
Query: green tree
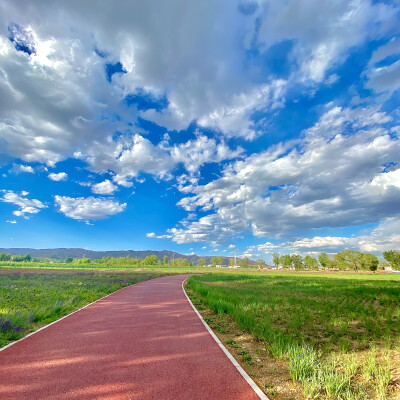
[[393, 258], [297, 261], [276, 259], [150, 260], [220, 260], [201, 262], [311, 263], [165, 260], [214, 261], [181, 262], [325, 260], [370, 262], [68, 260], [5, 257], [260, 262], [286, 260], [348, 259], [246, 262]]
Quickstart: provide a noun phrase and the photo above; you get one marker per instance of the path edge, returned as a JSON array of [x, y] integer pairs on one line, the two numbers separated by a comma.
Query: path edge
[[242, 372]]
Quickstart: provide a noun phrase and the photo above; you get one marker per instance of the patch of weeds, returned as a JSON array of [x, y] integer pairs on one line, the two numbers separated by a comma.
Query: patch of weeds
[[335, 384], [219, 328], [268, 385], [369, 368], [382, 380], [232, 343], [302, 362], [312, 387], [246, 357]]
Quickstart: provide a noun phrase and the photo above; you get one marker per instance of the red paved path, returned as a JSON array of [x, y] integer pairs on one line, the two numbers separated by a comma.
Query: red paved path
[[142, 342]]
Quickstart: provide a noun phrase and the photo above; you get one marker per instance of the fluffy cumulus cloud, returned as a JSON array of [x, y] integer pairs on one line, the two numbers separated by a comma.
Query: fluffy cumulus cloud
[[105, 187], [89, 208], [329, 178], [26, 206], [130, 155], [19, 169], [61, 176]]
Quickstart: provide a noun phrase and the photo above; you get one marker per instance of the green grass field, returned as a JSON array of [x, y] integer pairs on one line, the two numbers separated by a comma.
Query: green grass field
[[30, 298], [337, 332]]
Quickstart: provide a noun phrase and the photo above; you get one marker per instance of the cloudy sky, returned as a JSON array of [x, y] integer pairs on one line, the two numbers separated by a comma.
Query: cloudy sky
[[200, 126]]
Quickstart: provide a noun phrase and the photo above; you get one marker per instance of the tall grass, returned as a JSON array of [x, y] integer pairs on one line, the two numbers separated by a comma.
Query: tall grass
[[329, 329]]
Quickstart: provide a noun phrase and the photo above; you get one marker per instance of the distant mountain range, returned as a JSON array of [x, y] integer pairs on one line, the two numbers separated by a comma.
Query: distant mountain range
[[62, 253]]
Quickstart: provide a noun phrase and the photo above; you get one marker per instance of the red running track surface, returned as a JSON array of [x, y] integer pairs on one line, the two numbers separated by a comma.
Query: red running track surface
[[142, 342]]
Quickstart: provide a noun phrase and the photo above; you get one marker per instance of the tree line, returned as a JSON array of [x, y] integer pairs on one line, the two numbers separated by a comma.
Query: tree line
[[345, 260], [16, 258], [150, 260]]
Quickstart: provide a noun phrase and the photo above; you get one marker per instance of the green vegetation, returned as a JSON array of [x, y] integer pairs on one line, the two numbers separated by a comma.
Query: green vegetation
[[217, 261], [393, 258], [336, 331], [32, 298], [347, 260]]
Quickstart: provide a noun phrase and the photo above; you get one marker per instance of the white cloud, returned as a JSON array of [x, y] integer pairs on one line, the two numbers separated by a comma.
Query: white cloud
[[195, 153], [318, 46], [89, 208], [234, 119], [231, 246], [385, 236], [105, 187], [326, 179], [384, 78], [60, 104], [153, 235], [26, 206], [61, 176], [132, 154], [19, 169], [12, 221]]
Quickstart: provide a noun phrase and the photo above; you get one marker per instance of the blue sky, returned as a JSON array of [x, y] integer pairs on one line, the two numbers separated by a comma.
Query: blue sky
[[223, 127]]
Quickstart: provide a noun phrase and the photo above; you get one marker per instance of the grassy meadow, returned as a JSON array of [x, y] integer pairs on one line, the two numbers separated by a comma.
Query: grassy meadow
[[338, 332], [31, 298]]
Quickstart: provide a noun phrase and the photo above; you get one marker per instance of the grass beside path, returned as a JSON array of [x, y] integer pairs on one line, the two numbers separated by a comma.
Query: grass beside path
[[31, 298], [340, 335]]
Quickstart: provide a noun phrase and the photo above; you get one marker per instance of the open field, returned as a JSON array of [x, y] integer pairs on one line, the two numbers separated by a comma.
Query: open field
[[339, 334], [31, 298]]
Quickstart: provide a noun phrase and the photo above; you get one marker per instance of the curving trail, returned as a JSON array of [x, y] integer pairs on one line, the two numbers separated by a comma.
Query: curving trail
[[142, 342]]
